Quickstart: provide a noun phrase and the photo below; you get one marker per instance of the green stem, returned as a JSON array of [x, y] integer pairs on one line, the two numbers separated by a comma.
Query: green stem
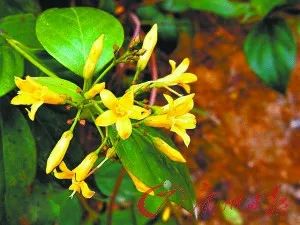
[[104, 72], [98, 128], [136, 76], [15, 45], [77, 117]]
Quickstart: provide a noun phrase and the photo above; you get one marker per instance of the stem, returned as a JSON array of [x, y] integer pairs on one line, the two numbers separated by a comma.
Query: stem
[[113, 196], [77, 117], [14, 44], [98, 128], [136, 76], [137, 25], [104, 72]]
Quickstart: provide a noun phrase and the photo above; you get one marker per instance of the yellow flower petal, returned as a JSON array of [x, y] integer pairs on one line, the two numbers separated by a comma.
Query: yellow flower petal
[[63, 167], [126, 101], [62, 175], [173, 64], [83, 169], [75, 186], [33, 109], [140, 186], [59, 151], [24, 98], [86, 191], [188, 78], [170, 152], [106, 119], [108, 99], [138, 113], [158, 121], [186, 87], [182, 67], [27, 85], [182, 133], [186, 121], [181, 105], [124, 127]]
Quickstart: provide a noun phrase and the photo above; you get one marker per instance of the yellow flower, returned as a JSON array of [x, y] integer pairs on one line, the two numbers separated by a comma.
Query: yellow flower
[[170, 152], [93, 57], [140, 186], [78, 175], [175, 116], [35, 94], [119, 112], [166, 214], [178, 76], [59, 151], [96, 89], [148, 45]]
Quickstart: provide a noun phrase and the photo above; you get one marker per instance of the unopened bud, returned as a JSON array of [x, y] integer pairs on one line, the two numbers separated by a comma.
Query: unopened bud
[[111, 152], [93, 58], [84, 168], [59, 151], [148, 45], [170, 152], [96, 89]]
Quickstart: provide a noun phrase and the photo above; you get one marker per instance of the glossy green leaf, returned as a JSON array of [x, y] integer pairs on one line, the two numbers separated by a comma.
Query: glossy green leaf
[[271, 52], [11, 65], [19, 150], [106, 179], [231, 214], [61, 86], [262, 7], [21, 28], [139, 156], [68, 34], [223, 8]]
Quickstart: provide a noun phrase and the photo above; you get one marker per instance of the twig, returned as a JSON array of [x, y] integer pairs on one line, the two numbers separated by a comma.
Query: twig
[[154, 76], [114, 195], [137, 26]]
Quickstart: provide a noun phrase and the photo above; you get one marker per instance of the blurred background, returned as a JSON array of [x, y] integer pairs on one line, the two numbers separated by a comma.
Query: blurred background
[[246, 147]]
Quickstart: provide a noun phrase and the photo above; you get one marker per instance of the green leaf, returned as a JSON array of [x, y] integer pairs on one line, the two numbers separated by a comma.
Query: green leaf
[[139, 156], [19, 150], [68, 34], [231, 214], [271, 52], [263, 7], [223, 8], [175, 5], [21, 28], [11, 65], [106, 178], [9, 7], [61, 86], [68, 210]]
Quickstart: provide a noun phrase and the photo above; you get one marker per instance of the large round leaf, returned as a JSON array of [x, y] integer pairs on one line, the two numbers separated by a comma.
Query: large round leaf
[[271, 52], [68, 34]]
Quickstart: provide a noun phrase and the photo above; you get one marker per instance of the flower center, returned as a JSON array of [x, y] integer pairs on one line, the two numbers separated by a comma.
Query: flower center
[[120, 111]]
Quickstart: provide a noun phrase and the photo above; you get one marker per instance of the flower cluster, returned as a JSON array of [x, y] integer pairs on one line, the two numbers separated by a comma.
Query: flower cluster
[[105, 109]]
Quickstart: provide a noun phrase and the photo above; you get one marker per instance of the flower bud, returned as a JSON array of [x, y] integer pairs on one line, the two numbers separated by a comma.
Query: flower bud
[[170, 152], [93, 58], [148, 45], [84, 168], [166, 214], [59, 151], [96, 89], [111, 152]]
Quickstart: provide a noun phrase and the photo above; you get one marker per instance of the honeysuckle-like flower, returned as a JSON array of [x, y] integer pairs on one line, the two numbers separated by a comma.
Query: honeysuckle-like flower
[[120, 111], [178, 76], [93, 58], [175, 116], [165, 148], [34, 94], [59, 151], [78, 175], [148, 45], [96, 89]]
